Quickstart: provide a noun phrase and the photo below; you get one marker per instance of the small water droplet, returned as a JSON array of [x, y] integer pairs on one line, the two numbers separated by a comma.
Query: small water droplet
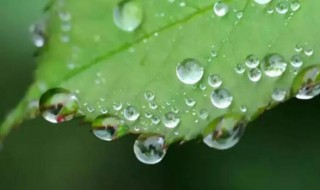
[[274, 65], [58, 105], [131, 113], [149, 96], [239, 68], [306, 84], [38, 33], [282, 7], [243, 108], [278, 95], [252, 61], [117, 106], [239, 15], [170, 120], [203, 114], [298, 48], [221, 98], [262, 2], [190, 102], [214, 81], [150, 149], [153, 105], [189, 71], [155, 119], [295, 5], [227, 131], [254, 75], [128, 15], [308, 52], [220, 9], [108, 128], [296, 61]]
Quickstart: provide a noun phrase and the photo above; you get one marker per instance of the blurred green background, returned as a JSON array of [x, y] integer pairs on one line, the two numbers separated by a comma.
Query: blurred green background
[[280, 150]]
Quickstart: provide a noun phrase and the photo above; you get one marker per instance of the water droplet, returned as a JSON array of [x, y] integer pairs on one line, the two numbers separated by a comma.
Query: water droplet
[[308, 52], [203, 114], [108, 128], [252, 61], [295, 5], [239, 15], [128, 15], [190, 102], [38, 32], [254, 74], [282, 7], [131, 113], [149, 96], [58, 105], [189, 71], [296, 61], [153, 105], [150, 149], [278, 95], [117, 106], [239, 68], [306, 84], [298, 48], [220, 9], [262, 2], [214, 53], [170, 120], [227, 131], [243, 108], [274, 65], [221, 98], [155, 119], [214, 81]]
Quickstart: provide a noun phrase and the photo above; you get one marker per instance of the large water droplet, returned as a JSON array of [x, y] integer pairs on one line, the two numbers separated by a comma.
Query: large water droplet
[[221, 98], [307, 83], [58, 105], [171, 120], [150, 149], [128, 15], [274, 65], [131, 113], [220, 9], [108, 128], [227, 131], [189, 71]]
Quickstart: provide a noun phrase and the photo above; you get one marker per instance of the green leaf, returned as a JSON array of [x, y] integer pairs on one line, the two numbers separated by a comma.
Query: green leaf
[[102, 64]]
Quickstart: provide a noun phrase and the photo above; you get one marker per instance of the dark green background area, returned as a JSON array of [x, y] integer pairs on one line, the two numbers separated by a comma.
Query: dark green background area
[[280, 150]]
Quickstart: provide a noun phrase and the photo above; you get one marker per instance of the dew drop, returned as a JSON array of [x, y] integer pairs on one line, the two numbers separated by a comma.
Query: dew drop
[[221, 98], [170, 120], [190, 102], [203, 114], [254, 75], [262, 2], [282, 7], [252, 61], [155, 119], [58, 105], [189, 71], [306, 84], [243, 108], [220, 9], [239, 68], [117, 106], [153, 105], [128, 15], [278, 95], [296, 61], [131, 113], [38, 35], [308, 52], [274, 65], [108, 128], [295, 5], [149, 96], [150, 149], [214, 81], [227, 131]]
